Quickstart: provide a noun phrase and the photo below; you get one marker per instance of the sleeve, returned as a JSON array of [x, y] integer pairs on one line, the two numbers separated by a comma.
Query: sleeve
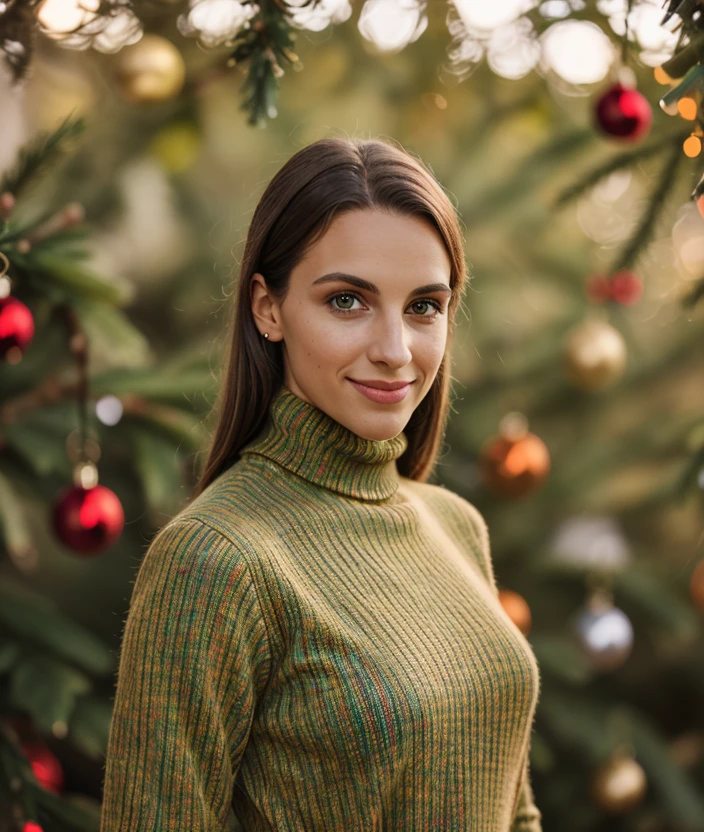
[[194, 660]]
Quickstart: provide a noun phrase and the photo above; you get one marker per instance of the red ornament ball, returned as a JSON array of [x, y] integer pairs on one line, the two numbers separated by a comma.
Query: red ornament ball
[[623, 113], [31, 826], [626, 287], [598, 288], [88, 520], [16, 326], [45, 765]]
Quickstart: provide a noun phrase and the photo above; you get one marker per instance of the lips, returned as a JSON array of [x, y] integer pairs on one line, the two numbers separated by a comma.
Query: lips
[[398, 391], [381, 385]]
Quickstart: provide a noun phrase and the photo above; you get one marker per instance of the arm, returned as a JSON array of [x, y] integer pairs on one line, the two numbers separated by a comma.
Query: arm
[[193, 660]]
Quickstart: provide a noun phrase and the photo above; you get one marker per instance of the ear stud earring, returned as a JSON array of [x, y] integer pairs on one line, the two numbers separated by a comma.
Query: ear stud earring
[[266, 334]]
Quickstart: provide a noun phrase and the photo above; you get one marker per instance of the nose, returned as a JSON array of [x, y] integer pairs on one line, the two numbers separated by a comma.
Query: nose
[[390, 342]]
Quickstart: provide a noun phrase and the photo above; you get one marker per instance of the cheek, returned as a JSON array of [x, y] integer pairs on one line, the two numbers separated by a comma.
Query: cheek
[[319, 339], [431, 350]]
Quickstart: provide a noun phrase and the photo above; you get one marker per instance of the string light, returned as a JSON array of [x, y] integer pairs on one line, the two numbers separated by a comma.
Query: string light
[[687, 108], [661, 76], [692, 146]]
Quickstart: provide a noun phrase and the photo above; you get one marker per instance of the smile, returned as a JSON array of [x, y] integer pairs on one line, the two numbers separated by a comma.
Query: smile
[[382, 396]]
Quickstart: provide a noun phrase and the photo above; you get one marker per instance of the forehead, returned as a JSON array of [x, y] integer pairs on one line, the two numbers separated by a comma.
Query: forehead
[[379, 246]]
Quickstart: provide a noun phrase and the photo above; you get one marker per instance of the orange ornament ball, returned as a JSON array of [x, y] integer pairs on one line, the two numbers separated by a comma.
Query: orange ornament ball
[[696, 585], [700, 205], [517, 609], [514, 466]]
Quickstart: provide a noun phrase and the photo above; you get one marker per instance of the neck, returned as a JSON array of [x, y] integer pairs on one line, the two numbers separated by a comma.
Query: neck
[[305, 440]]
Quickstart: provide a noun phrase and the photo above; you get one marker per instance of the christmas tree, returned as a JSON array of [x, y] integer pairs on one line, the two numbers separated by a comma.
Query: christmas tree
[[569, 135]]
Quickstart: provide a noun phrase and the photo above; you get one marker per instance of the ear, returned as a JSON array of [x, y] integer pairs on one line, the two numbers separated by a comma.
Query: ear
[[265, 309]]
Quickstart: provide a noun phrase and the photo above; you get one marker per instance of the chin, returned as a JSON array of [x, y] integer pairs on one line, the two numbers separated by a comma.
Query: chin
[[385, 428]]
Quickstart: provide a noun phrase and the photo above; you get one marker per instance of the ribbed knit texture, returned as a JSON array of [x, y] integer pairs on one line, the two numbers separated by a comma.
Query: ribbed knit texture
[[315, 644]]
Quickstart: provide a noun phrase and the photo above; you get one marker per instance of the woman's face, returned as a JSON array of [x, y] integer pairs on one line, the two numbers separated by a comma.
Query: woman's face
[[385, 320]]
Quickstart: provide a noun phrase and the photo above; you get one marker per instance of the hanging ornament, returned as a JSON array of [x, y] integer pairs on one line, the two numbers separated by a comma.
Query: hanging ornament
[[598, 288], [515, 461], [16, 329], [605, 632], [590, 542], [45, 765], [16, 320], [517, 609], [623, 113], [696, 585], [619, 785], [31, 826], [624, 287], [594, 355], [87, 517], [150, 70]]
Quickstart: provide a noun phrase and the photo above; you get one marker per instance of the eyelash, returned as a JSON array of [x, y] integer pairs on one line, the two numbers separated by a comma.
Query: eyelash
[[353, 295]]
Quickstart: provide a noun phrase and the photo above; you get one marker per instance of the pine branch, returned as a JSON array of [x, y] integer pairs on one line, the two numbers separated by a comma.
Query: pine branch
[[266, 44], [690, 300], [38, 153], [664, 186], [621, 160]]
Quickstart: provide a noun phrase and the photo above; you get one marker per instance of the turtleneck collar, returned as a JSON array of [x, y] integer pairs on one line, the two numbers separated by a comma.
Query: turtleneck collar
[[305, 440]]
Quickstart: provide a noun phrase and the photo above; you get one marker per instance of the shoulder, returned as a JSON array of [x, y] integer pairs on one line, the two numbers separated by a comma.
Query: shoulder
[[460, 518], [194, 592], [452, 506], [237, 506], [188, 556]]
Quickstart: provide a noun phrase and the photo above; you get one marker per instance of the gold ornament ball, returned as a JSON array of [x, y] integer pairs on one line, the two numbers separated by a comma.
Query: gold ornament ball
[[619, 785], [696, 585], [150, 70], [517, 609], [594, 355]]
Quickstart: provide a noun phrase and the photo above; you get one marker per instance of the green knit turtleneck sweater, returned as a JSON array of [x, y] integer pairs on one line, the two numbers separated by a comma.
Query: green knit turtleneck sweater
[[315, 644]]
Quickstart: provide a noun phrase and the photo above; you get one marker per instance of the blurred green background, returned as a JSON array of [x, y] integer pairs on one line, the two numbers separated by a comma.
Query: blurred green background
[[168, 190]]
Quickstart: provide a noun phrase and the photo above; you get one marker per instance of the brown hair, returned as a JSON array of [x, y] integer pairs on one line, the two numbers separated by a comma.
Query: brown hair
[[320, 181]]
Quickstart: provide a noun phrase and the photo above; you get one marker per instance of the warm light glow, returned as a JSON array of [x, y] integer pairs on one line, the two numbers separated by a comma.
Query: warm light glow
[[578, 51], [687, 108], [486, 16], [657, 42], [392, 24], [513, 50], [692, 147], [63, 16], [661, 76]]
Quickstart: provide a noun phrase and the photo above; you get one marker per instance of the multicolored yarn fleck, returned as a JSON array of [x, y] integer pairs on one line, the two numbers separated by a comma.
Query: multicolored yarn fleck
[[315, 644]]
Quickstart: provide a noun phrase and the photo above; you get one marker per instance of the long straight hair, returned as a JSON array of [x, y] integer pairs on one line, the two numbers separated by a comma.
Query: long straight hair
[[324, 179]]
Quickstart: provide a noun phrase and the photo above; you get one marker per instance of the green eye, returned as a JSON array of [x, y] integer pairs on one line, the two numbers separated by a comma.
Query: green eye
[[349, 298]]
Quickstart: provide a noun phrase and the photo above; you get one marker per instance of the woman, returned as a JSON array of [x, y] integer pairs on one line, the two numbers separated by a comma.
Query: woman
[[315, 643]]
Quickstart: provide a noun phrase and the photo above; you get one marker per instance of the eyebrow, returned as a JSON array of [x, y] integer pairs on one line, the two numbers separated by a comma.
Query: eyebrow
[[360, 283]]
